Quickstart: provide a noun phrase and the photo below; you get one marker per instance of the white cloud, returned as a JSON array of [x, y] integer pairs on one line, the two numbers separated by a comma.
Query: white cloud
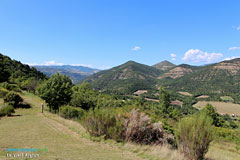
[[47, 63], [236, 27], [104, 67], [196, 55], [32, 64], [228, 58], [84, 65], [136, 48], [234, 48], [173, 56], [52, 63]]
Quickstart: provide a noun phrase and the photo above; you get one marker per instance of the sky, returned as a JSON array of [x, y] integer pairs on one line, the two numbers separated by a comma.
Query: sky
[[106, 33]]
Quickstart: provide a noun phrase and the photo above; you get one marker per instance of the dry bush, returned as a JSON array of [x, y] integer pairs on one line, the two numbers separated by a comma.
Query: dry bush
[[135, 126], [139, 129]]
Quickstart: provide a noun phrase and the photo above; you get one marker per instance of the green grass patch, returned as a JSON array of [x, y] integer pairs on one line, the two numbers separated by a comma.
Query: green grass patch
[[227, 98]]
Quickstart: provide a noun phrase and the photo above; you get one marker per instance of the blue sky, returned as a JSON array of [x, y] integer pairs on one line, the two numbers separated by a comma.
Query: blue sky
[[106, 33]]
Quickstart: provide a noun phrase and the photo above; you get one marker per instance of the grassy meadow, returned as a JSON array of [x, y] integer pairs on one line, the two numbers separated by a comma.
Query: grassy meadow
[[67, 139]]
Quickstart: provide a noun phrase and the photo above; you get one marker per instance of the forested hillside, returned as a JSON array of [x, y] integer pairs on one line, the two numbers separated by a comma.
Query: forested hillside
[[15, 72], [220, 78], [125, 79]]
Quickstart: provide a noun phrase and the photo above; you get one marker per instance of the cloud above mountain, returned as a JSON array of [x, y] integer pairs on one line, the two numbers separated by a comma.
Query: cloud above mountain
[[173, 56], [198, 56]]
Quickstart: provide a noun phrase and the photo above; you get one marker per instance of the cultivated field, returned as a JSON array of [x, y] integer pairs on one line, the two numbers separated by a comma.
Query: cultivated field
[[222, 107], [185, 93]]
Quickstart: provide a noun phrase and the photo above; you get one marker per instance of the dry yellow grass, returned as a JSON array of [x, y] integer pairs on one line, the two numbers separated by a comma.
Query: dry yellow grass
[[222, 107], [202, 96], [185, 93], [223, 151]]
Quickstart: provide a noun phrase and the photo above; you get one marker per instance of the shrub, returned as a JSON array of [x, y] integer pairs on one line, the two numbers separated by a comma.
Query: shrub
[[105, 122], [13, 99], [70, 112], [140, 129], [194, 136], [3, 92], [10, 87], [232, 135], [115, 123], [6, 111]]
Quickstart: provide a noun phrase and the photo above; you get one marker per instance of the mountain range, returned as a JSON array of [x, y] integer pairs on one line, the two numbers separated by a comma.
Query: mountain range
[[219, 78], [77, 73]]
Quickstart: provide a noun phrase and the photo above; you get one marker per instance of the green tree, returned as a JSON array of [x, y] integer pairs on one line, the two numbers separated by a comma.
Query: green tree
[[13, 99], [83, 97], [211, 112], [164, 100], [56, 91]]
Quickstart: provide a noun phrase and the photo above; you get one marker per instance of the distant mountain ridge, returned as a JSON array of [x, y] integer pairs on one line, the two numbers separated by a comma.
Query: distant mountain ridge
[[220, 78], [77, 73], [164, 65]]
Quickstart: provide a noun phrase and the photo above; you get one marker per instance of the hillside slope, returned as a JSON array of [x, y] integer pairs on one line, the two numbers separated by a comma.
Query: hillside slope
[[222, 78], [179, 71], [12, 70], [125, 79]]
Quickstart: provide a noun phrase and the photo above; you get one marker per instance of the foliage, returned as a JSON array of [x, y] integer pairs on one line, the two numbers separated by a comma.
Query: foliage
[[15, 72], [10, 87], [164, 99], [6, 111], [216, 118], [104, 122], [118, 124], [83, 97], [226, 134], [3, 92], [104, 100], [56, 91], [30, 84], [13, 99], [70, 112], [219, 120], [194, 136]]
